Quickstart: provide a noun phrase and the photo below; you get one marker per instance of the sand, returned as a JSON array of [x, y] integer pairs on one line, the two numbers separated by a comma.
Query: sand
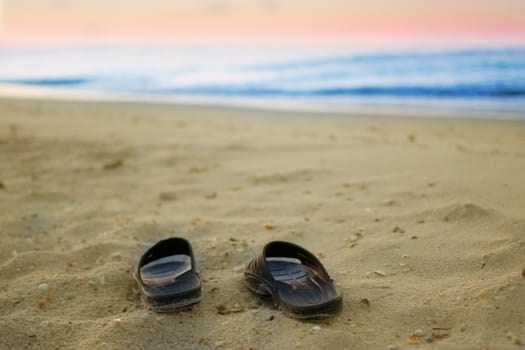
[[421, 221]]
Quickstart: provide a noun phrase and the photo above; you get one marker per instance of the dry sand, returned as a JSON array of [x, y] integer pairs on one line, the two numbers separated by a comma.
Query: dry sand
[[420, 221]]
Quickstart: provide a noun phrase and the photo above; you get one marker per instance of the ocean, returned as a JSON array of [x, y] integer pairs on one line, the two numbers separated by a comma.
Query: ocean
[[475, 79]]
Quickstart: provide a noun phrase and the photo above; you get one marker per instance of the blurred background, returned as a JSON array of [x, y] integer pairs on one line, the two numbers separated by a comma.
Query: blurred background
[[330, 54]]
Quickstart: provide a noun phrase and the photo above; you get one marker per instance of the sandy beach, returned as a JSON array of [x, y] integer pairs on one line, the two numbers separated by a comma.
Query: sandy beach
[[420, 221]]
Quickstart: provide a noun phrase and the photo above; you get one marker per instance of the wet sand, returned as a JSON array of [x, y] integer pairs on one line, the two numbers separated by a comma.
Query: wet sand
[[421, 221]]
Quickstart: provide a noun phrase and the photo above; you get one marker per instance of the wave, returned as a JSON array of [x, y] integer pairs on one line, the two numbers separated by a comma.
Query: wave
[[373, 91], [49, 82], [482, 58]]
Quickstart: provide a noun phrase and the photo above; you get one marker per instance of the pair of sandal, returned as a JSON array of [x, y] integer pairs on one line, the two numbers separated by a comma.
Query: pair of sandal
[[292, 276]]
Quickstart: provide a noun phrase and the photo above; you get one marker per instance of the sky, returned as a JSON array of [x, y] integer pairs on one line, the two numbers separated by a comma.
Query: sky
[[102, 21]]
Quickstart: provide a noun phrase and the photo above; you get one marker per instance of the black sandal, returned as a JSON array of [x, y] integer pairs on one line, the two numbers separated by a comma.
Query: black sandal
[[295, 279], [166, 276]]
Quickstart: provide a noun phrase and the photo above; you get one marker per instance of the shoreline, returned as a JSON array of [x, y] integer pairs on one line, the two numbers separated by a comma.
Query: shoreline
[[418, 220], [394, 108]]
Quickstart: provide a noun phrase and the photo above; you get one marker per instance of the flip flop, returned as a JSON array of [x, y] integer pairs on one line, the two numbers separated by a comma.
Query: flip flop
[[295, 279], [166, 276]]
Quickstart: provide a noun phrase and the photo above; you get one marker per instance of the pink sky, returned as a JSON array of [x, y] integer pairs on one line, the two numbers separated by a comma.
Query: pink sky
[[62, 21]]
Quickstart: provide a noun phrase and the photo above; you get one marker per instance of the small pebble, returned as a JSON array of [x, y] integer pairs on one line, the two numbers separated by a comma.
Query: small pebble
[[116, 256], [44, 324], [146, 315], [316, 328], [222, 309], [43, 287], [219, 344], [392, 347], [270, 318], [101, 279], [236, 308], [419, 333]]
